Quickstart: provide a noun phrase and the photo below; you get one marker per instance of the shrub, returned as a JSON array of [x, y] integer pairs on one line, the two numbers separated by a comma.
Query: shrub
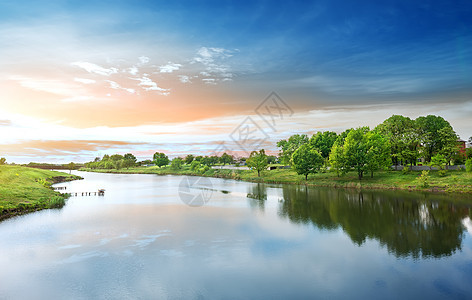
[[442, 173], [423, 179], [406, 170], [468, 165]]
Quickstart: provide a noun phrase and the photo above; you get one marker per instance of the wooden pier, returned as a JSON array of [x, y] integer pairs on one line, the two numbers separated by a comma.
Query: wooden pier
[[100, 192]]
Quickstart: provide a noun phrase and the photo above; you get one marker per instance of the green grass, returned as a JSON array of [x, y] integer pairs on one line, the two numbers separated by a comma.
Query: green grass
[[24, 189], [454, 181]]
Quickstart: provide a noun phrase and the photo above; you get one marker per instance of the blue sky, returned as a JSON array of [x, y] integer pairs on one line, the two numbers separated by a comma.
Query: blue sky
[[226, 56]]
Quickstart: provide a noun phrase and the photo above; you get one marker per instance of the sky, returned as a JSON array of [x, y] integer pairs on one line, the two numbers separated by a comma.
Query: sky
[[80, 79]]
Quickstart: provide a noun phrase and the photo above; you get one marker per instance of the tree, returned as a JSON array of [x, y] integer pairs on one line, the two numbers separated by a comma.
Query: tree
[[448, 138], [287, 147], [70, 167], [116, 157], [3, 161], [355, 150], [226, 159], [468, 165], [402, 134], [271, 159], [188, 159], [257, 161], [307, 160], [129, 160], [378, 152], [176, 163], [433, 141], [323, 142], [160, 159], [337, 160]]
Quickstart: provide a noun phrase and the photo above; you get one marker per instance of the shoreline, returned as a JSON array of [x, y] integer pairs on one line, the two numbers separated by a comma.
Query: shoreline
[[25, 190], [438, 184]]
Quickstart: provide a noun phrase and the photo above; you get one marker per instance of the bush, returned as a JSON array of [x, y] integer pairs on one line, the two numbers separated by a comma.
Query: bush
[[423, 179], [442, 173], [406, 170], [468, 165]]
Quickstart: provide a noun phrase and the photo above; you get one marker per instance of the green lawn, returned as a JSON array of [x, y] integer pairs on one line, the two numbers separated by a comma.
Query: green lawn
[[24, 189], [454, 181]]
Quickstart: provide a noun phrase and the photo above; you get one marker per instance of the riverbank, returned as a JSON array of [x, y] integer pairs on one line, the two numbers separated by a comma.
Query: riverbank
[[452, 182], [24, 190]]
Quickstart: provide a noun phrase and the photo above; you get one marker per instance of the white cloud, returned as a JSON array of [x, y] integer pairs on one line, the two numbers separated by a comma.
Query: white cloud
[[93, 68], [169, 68], [52, 86], [77, 98], [212, 60], [148, 85], [84, 80], [184, 79], [116, 86], [143, 59], [133, 70]]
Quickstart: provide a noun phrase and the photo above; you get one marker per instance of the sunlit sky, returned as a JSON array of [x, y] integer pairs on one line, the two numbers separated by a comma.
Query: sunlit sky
[[80, 79]]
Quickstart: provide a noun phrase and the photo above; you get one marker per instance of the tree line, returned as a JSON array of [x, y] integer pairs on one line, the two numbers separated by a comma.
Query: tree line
[[398, 140]]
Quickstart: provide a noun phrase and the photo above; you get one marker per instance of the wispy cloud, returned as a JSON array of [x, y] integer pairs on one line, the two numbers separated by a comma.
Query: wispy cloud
[[184, 79], [213, 61], [116, 86], [84, 80], [169, 67], [96, 69], [148, 85]]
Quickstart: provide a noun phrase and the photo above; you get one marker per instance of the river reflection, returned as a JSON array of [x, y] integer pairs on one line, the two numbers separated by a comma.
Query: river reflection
[[250, 241], [416, 225]]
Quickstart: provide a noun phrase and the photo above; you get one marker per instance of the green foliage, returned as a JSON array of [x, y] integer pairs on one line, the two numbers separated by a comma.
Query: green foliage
[[401, 134], [195, 165], [406, 170], [438, 161], [160, 159], [189, 159], [468, 152], [3, 161], [378, 152], [323, 142], [442, 173], [423, 179], [336, 158], [226, 159], [44, 182], [176, 163], [468, 165], [287, 147], [356, 149], [307, 160], [56, 202], [257, 161], [433, 139]]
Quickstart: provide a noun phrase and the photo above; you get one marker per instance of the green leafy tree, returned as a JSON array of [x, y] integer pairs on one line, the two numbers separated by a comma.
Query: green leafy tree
[[258, 161], [118, 164], [287, 147], [3, 161], [116, 157], [129, 160], [450, 147], [468, 152], [355, 150], [323, 142], [402, 134], [176, 163], [226, 159], [160, 159], [195, 165], [271, 159], [433, 141], [337, 161], [378, 152], [189, 158], [70, 167], [307, 160]]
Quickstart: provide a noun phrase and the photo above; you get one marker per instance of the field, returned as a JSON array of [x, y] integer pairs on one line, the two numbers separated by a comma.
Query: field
[[25, 189]]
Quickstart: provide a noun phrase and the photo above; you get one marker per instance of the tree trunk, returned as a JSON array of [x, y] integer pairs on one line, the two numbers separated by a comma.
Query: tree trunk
[[258, 173], [371, 174], [306, 177]]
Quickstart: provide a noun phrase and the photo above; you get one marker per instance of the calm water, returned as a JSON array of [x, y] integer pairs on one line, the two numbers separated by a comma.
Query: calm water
[[250, 241]]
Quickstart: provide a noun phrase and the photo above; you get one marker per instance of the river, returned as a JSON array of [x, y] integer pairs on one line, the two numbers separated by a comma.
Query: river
[[246, 241]]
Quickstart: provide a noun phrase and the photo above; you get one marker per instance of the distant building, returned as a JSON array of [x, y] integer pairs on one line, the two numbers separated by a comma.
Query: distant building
[[461, 144]]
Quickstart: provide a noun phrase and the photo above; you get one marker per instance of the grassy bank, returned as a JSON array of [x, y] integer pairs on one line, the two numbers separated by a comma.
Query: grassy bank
[[25, 190], [453, 181]]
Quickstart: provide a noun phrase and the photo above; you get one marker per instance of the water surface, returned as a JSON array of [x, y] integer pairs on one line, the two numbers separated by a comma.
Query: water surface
[[249, 241]]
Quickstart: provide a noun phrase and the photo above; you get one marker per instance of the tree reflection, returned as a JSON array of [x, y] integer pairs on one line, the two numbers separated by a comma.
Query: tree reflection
[[257, 195], [408, 224]]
